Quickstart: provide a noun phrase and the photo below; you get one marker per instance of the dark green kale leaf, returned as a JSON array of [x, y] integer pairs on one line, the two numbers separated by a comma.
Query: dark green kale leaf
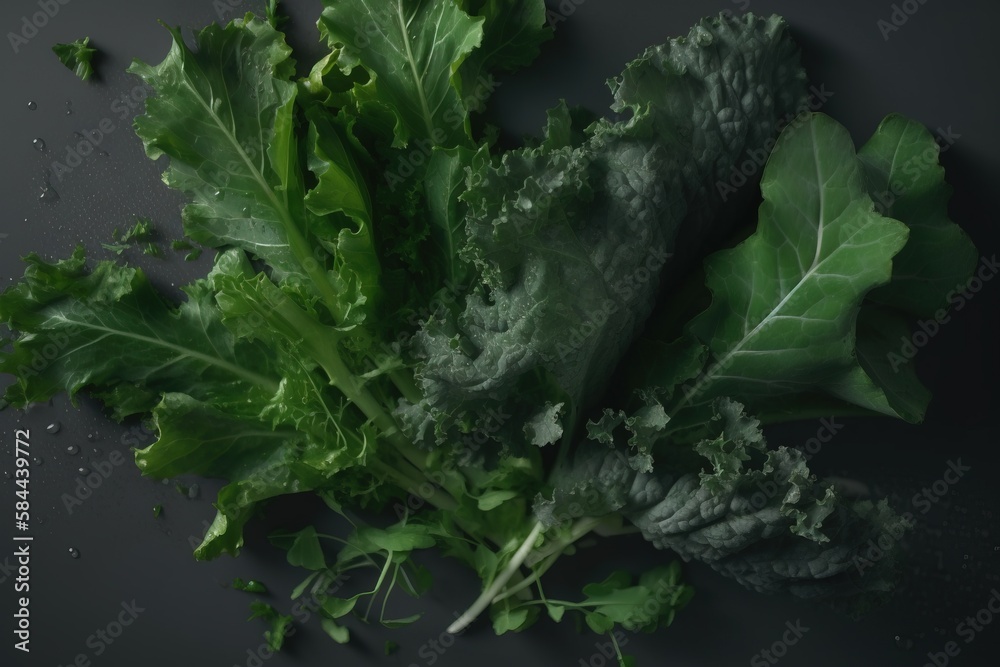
[[570, 238]]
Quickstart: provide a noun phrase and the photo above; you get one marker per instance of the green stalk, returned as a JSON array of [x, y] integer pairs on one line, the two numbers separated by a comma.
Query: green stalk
[[484, 600], [579, 530], [536, 575]]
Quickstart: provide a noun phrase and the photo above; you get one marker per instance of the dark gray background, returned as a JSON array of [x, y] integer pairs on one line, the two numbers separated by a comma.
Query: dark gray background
[[940, 68]]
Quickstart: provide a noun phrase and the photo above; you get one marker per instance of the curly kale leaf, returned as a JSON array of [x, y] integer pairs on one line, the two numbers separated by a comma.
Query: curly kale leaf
[[755, 514], [570, 237]]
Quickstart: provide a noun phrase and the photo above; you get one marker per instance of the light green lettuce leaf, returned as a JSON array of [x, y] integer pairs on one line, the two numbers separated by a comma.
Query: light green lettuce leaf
[[109, 331], [77, 56], [412, 49]]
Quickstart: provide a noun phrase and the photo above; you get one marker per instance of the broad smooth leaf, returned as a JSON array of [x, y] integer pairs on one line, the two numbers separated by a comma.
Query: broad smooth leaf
[[904, 177], [785, 301], [513, 31]]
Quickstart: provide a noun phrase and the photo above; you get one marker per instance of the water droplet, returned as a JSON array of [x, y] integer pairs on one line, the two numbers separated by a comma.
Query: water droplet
[[74, 552], [53, 428], [90, 436], [193, 491], [69, 108], [83, 470], [102, 152], [903, 642], [7, 475], [72, 450], [32, 106], [38, 460], [97, 451], [38, 143], [48, 194]]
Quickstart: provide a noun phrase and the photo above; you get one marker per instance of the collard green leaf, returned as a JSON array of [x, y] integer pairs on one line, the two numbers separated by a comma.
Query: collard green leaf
[[412, 49], [785, 301], [906, 181], [880, 336], [513, 31]]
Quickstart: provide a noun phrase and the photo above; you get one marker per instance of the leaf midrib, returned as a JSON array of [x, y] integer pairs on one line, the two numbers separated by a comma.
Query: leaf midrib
[[239, 371]]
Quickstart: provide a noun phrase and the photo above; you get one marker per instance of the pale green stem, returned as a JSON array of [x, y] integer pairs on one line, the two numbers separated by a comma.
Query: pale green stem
[[484, 600]]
